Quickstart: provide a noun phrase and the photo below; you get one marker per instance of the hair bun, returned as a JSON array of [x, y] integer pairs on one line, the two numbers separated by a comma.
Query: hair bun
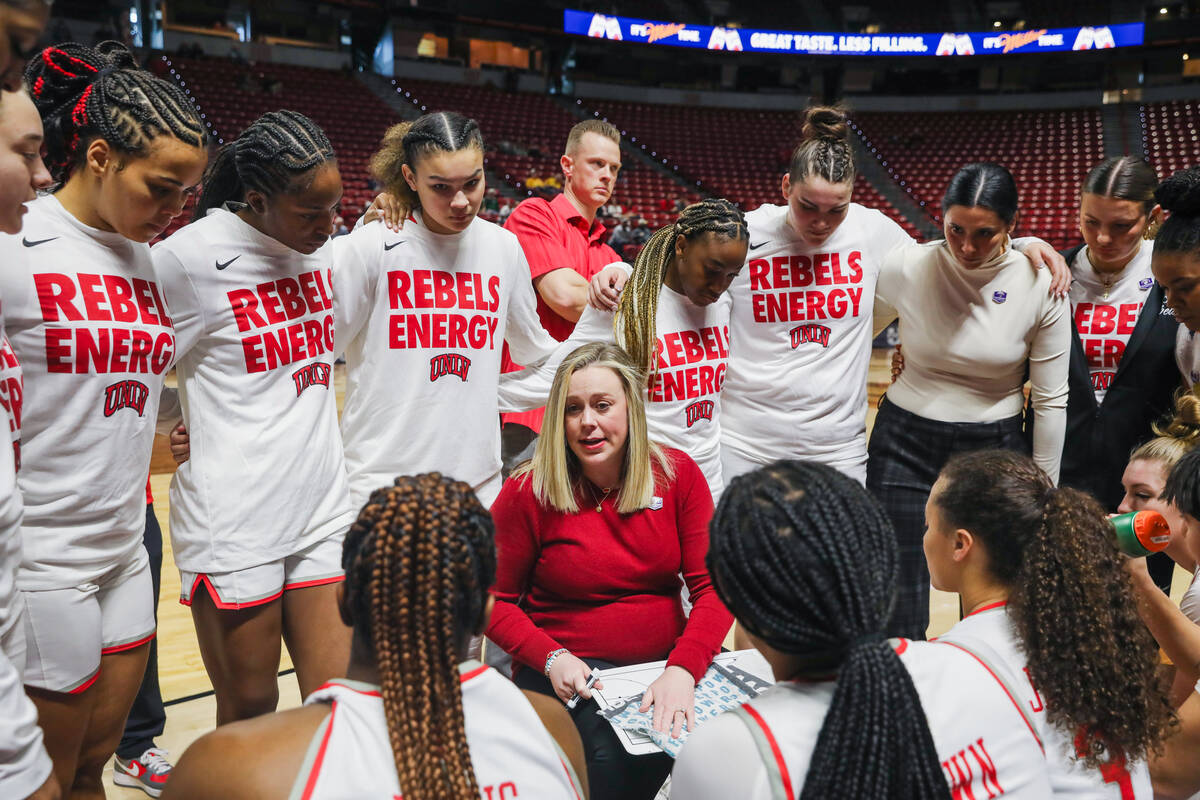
[[1180, 193], [826, 122]]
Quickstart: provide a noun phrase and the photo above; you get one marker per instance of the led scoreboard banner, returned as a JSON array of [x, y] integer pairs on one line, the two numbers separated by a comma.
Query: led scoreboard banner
[[750, 40]]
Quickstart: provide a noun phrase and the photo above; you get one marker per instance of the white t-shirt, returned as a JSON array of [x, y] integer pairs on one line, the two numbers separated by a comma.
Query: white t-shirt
[[254, 343], [512, 753], [1105, 318], [24, 765], [991, 629], [970, 334], [11, 505], [1189, 604], [800, 339], [422, 318], [984, 743], [1187, 355], [89, 325], [684, 396]]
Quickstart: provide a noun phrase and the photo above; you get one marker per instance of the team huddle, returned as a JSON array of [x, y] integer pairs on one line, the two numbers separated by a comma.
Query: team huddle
[[550, 463]]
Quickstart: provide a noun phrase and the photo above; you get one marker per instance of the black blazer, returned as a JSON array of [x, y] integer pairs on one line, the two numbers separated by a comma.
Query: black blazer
[[1101, 437]]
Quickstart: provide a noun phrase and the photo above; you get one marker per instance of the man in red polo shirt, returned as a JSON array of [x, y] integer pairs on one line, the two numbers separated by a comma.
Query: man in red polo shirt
[[564, 242]]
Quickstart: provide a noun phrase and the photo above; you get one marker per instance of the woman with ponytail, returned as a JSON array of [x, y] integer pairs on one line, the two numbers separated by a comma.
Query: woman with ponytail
[[422, 315], [1049, 603], [414, 717], [258, 513], [806, 561], [673, 320], [88, 323]]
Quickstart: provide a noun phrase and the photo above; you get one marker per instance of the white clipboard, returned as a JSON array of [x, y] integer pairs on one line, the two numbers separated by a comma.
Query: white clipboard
[[621, 683]]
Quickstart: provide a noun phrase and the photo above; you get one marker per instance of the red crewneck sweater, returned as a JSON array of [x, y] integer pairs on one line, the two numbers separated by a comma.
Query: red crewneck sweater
[[605, 585]]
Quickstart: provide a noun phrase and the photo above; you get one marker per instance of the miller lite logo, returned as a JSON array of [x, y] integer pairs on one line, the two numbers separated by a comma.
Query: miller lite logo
[[701, 409], [603, 27], [803, 334], [315, 374], [725, 39], [449, 364], [125, 394]]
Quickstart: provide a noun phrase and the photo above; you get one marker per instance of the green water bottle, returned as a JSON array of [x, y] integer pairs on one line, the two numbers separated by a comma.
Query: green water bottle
[[1140, 533]]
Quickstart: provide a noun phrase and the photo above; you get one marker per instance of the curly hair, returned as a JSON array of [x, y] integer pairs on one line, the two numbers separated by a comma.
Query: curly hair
[[634, 323], [419, 560], [1180, 195], [405, 143], [806, 560], [1070, 599]]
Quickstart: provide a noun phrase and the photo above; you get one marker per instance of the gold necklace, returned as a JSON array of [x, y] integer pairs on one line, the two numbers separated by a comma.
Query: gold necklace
[[1107, 279], [599, 500]]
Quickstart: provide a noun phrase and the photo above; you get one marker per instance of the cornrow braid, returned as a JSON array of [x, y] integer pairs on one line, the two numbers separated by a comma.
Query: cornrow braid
[[638, 309], [83, 93], [806, 560], [419, 560], [267, 157], [825, 150]]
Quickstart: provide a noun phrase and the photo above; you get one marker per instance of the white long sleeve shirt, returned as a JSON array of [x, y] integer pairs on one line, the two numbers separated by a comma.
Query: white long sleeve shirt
[[968, 336], [24, 765], [422, 318], [800, 339], [11, 505], [254, 339], [683, 408], [89, 325]]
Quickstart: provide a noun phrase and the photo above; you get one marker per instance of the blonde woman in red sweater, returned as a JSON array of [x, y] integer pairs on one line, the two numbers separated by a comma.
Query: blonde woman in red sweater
[[591, 537]]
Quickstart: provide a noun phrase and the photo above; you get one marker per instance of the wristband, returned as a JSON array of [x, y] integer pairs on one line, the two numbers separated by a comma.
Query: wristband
[[553, 654]]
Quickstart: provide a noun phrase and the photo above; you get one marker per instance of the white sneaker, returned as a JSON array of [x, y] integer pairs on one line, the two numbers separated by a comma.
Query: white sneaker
[[148, 772]]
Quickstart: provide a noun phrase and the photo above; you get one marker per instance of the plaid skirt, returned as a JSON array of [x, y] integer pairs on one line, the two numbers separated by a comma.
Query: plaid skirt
[[904, 456]]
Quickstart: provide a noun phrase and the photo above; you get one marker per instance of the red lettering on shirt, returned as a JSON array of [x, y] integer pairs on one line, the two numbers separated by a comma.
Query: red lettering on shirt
[[503, 791], [799, 271], [102, 298], [314, 374], [690, 346], [449, 364], [806, 306], [435, 288], [961, 775], [1036, 704], [688, 383], [288, 344], [442, 331], [126, 394]]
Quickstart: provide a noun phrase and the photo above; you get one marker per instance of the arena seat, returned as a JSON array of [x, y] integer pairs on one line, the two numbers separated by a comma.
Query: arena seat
[[1171, 134], [1048, 152]]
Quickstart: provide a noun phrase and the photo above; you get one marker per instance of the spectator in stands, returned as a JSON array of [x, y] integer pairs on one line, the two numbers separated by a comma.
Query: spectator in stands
[[680, 204], [339, 226], [1122, 372], [552, 182], [621, 237], [562, 239], [506, 209], [642, 232], [491, 201], [534, 180], [613, 210], [571, 592]]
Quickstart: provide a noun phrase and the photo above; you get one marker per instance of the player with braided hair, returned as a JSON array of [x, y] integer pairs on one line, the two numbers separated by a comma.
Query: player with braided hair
[[257, 513], [423, 315], [1046, 595], [87, 321], [673, 320], [414, 716], [806, 561]]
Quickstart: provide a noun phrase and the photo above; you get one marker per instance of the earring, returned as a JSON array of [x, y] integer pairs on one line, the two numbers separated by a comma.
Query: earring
[[1152, 229]]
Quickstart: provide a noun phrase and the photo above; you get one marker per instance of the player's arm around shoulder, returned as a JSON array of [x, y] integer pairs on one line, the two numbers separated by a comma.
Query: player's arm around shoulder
[[255, 759]]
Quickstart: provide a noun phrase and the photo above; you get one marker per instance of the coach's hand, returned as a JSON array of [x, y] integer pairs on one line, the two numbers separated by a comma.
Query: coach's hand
[[604, 290], [673, 695], [1041, 254], [388, 209], [181, 444], [568, 676]]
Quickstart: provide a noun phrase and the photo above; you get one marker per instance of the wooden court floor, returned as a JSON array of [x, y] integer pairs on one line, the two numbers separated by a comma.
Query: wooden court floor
[[191, 710]]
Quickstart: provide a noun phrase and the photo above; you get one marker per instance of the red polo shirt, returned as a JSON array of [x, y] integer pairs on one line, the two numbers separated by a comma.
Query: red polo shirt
[[554, 235]]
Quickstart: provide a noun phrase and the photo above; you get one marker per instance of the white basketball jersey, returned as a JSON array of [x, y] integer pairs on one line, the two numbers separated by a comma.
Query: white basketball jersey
[[513, 755], [990, 629], [986, 746]]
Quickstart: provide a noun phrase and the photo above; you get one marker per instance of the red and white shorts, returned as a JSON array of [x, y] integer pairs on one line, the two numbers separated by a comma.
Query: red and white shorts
[[68, 630], [317, 564]]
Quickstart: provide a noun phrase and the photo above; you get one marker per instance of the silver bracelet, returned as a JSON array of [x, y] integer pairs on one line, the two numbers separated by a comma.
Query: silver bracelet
[[550, 659]]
